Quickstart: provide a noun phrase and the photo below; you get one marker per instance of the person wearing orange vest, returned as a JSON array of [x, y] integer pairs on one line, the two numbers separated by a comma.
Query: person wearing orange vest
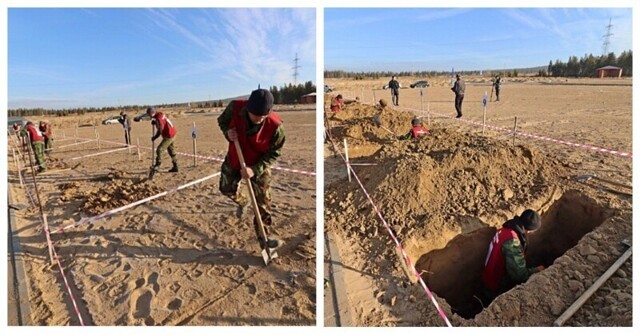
[[260, 133], [37, 144], [336, 103], [417, 131], [505, 264], [167, 130], [45, 129]]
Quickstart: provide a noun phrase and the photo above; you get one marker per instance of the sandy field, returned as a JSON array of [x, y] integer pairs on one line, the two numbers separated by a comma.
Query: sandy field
[[445, 196], [181, 259]]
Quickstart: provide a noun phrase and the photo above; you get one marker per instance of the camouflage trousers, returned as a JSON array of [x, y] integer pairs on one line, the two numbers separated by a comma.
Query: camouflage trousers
[[38, 152], [166, 144], [229, 180]]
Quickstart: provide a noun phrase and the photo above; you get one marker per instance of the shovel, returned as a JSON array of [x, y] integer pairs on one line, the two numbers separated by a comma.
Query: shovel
[[267, 254], [376, 120], [152, 171]]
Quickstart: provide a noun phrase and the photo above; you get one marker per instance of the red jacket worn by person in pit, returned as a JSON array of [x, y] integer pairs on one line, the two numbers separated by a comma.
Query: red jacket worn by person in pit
[[253, 147], [167, 130], [419, 131], [495, 265]]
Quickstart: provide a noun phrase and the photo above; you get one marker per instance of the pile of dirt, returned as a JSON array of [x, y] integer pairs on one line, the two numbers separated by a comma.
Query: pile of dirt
[[445, 196], [56, 163], [120, 189], [117, 194]]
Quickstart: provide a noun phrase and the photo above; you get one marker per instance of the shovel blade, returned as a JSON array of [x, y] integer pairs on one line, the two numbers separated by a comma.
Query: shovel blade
[[266, 258]]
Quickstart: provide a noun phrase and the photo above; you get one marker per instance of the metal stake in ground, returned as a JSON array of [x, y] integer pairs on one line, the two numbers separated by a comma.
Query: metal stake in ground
[[346, 155], [484, 111], [515, 130], [152, 171], [193, 136], [374, 97], [139, 158], [267, 254]]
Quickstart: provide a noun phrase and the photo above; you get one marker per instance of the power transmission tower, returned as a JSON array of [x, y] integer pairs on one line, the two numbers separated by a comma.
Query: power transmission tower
[[295, 69], [607, 39]]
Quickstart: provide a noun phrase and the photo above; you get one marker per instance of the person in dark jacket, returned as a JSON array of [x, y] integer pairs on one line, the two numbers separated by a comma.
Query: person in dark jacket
[[394, 86], [505, 265], [125, 120], [458, 88], [496, 85]]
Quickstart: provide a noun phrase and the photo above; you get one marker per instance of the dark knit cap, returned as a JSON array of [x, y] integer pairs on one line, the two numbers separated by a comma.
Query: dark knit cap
[[151, 110], [416, 121], [260, 102], [530, 220]]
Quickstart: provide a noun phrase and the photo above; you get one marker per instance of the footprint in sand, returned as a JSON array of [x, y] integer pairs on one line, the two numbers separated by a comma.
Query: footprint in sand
[[141, 298]]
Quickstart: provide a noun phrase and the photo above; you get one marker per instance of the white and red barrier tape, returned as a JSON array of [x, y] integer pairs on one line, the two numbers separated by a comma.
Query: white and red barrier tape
[[120, 209], [534, 136], [66, 282], [217, 159], [395, 240], [94, 154], [72, 144]]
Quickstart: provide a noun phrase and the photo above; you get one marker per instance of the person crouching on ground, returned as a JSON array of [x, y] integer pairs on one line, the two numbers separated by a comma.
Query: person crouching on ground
[[168, 132], [416, 131], [505, 265], [37, 144], [336, 103], [261, 136]]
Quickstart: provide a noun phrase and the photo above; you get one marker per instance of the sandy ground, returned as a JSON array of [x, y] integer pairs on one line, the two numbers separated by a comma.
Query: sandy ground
[[445, 196], [183, 259]]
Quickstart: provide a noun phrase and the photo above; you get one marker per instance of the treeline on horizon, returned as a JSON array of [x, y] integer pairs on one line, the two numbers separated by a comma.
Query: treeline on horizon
[[287, 94], [574, 67]]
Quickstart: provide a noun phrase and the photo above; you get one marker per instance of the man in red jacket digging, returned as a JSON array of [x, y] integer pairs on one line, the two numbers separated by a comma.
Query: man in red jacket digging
[[261, 136]]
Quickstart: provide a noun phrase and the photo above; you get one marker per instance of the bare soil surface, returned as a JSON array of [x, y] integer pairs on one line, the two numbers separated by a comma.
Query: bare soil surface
[[181, 259], [446, 195]]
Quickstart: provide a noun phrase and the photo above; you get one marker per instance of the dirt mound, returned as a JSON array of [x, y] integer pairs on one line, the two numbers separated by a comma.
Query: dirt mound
[[120, 189], [118, 193], [444, 197]]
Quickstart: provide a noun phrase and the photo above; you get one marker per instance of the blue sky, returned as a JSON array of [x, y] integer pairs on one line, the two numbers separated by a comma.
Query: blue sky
[[69, 57], [466, 38]]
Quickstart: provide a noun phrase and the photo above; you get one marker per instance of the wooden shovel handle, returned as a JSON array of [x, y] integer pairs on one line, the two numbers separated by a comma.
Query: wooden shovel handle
[[254, 203]]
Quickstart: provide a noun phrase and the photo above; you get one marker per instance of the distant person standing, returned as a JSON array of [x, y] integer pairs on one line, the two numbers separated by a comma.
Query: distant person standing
[[125, 120], [45, 129], [458, 89], [394, 86], [496, 85]]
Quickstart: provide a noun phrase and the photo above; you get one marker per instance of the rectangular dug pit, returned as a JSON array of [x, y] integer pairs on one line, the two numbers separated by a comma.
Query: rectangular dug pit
[[454, 271]]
